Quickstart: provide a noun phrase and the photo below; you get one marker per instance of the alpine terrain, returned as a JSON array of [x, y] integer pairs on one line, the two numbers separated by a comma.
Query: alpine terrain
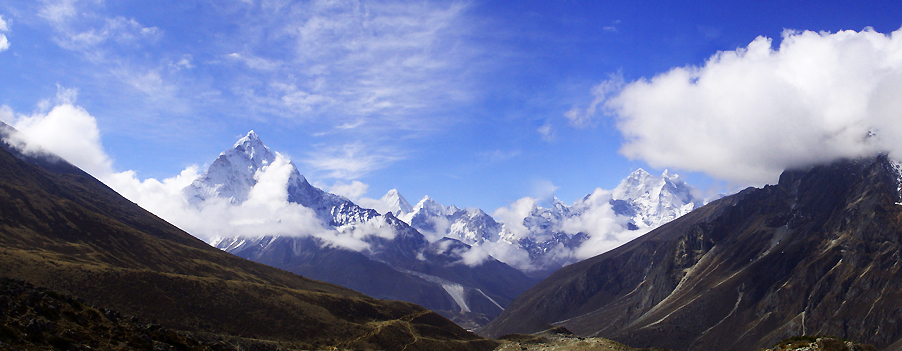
[[816, 254], [641, 202], [396, 261], [66, 231]]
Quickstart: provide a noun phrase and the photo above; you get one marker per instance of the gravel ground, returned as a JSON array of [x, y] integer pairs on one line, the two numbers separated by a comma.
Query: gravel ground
[[560, 343]]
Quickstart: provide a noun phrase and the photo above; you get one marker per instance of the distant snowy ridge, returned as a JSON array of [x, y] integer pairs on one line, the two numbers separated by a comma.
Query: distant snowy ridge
[[469, 225], [544, 239]]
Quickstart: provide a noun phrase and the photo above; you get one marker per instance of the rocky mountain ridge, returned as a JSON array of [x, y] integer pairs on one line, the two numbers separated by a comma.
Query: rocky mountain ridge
[[815, 254]]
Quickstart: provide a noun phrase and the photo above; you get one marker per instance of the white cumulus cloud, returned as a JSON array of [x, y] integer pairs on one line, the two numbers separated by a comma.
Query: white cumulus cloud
[[747, 114], [513, 215], [4, 42], [66, 130], [606, 229]]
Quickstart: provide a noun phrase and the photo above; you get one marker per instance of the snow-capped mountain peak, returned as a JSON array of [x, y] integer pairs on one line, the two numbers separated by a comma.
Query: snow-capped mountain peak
[[471, 226], [396, 202], [667, 175], [251, 149], [251, 137], [430, 206], [558, 205], [656, 200], [635, 185], [231, 175]]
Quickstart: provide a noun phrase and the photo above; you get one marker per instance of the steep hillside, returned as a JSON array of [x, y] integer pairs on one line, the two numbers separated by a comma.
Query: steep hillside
[[63, 229], [816, 254]]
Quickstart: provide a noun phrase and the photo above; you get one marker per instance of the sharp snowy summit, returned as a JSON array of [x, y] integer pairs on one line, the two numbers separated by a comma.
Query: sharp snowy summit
[[238, 170], [656, 200], [231, 175], [396, 203]]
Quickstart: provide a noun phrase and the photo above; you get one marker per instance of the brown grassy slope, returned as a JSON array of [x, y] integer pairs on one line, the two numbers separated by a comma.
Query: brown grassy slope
[[63, 229]]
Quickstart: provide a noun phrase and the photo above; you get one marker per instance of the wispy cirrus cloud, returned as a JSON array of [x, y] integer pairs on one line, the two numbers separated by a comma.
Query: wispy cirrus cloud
[[119, 53], [587, 117], [351, 161], [361, 60], [613, 27], [547, 132], [347, 70], [495, 156], [255, 62], [79, 28]]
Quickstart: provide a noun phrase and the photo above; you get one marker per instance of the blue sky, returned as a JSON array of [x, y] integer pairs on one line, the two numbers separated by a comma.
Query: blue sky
[[467, 102]]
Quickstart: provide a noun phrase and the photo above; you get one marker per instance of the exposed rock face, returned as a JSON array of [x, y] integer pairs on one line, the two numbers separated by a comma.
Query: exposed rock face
[[816, 254], [406, 267]]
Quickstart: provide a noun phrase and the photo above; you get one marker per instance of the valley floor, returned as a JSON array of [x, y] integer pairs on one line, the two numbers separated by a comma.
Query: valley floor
[[551, 341], [567, 342]]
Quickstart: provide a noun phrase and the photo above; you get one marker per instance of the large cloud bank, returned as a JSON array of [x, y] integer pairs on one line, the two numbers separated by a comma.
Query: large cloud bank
[[747, 114]]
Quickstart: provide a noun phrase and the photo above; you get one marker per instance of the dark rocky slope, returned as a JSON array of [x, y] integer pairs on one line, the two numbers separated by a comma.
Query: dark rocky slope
[[406, 268], [35, 318], [818, 254], [62, 229]]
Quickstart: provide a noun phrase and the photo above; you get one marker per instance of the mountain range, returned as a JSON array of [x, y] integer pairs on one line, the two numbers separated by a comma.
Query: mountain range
[[816, 254], [66, 231], [550, 236], [440, 257], [391, 260]]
